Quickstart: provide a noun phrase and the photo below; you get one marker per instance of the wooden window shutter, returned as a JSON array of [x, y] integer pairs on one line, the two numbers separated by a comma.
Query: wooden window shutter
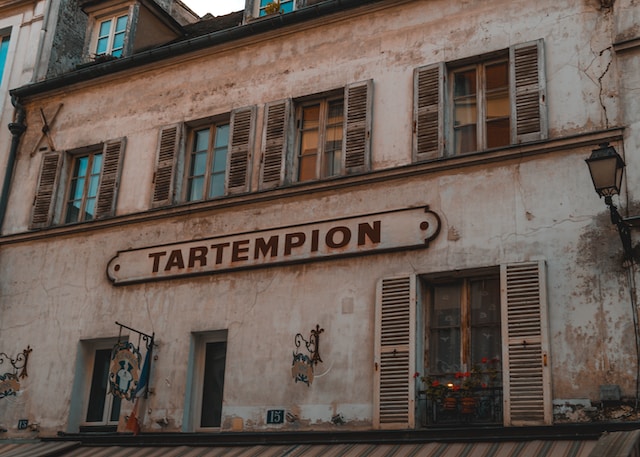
[[164, 177], [526, 364], [528, 92], [42, 215], [394, 386], [240, 144], [113, 154], [428, 118], [274, 143], [358, 109]]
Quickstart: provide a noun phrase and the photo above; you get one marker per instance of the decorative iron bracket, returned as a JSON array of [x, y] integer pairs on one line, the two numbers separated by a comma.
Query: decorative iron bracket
[[19, 363], [141, 379], [302, 366]]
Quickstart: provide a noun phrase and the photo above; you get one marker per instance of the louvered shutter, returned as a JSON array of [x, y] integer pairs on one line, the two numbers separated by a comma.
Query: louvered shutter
[[358, 108], [113, 154], [164, 178], [394, 386], [42, 214], [428, 103], [528, 92], [274, 141], [239, 157], [526, 365]]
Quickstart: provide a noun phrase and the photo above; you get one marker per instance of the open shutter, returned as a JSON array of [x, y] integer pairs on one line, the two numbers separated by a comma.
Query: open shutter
[[274, 141], [239, 157], [527, 376], [428, 118], [394, 387], [164, 177], [358, 108], [113, 154], [42, 214], [528, 92]]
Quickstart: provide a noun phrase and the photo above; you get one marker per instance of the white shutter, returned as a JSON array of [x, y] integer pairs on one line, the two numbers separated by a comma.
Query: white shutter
[[528, 92], [113, 153], [428, 118], [240, 148], [357, 130], [394, 386], [163, 181], [274, 141], [42, 213], [526, 364]]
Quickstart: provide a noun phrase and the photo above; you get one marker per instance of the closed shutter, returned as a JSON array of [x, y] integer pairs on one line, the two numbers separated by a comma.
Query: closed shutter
[[239, 157], [428, 103], [528, 96], [274, 143], [113, 154], [527, 377], [42, 214], [358, 107], [394, 386], [164, 178]]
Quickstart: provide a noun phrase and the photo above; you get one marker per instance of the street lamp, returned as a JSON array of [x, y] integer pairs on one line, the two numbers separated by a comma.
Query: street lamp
[[606, 168]]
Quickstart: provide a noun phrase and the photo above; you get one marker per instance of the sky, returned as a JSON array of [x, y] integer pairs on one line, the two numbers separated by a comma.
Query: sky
[[215, 7]]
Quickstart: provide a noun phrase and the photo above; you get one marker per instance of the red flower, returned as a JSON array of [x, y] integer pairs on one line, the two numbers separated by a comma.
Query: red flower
[[458, 375], [435, 383], [485, 360], [415, 375]]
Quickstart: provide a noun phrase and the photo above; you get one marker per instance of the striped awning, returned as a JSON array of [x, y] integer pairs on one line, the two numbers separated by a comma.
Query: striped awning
[[504, 449], [616, 444]]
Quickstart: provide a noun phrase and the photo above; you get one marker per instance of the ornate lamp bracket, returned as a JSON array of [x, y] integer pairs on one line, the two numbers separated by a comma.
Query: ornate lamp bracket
[[302, 366]]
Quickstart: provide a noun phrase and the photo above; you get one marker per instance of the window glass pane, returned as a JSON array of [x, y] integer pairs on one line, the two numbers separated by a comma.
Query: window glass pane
[[121, 24], [105, 28], [498, 104], [98, 392], [81, 165], [220, 160], [286, 6], [466, 139], [115, 409], [96, 164], [77, 189], [118, 42], [222, 136], [497, 76], [73, 212], [198, 164], [444, 318], [465, 83], [498, 133], [213, 384], [333, 151], [102, 46], [4, 49], [264, 3], [201, 140], [311, 117], [196, 189], [307, 167], [216, 186]]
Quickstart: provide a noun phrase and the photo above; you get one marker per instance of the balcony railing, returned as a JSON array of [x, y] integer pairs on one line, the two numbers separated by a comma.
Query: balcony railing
[[481, 406]]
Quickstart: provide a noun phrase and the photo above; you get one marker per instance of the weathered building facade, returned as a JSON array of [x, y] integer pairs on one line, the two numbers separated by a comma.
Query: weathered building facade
[[335, 217]]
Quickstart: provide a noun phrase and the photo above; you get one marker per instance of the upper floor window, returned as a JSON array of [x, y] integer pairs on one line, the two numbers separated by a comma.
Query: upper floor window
[[320, 132], [208, 162], [481, 103], [271, 6], [216, 162], [330, 136], [84, 181], [103, 408], [83, 188], [4, 51], [111, 35]]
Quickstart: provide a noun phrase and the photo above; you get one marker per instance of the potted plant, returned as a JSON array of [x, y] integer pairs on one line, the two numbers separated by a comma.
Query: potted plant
[[272, 7]]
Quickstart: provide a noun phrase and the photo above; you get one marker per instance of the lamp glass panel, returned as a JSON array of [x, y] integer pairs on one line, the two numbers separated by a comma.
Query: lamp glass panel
[[606, 175]]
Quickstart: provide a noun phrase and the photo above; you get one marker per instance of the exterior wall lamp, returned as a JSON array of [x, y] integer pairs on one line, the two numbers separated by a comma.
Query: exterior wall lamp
[[606, 168]]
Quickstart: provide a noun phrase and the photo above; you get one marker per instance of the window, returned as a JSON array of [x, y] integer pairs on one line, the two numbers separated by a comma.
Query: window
[[102, 407], [83, 188], [207, 162], [330, 136], [210, 352], [481, 103], [320, 128], [86, 180], [480, 331], [111, 36], [216, 162], [4, 50], [286, 6]]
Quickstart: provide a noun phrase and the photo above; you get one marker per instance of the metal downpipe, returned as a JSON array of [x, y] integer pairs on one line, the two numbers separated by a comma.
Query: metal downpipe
[[16, 128]]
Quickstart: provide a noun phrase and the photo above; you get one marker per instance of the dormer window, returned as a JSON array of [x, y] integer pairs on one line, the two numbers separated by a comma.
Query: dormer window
[[111, 34], [286, 6]]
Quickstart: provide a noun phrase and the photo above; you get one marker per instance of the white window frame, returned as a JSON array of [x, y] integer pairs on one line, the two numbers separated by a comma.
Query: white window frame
[[97, 18], [193, 414], [86, 364]]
